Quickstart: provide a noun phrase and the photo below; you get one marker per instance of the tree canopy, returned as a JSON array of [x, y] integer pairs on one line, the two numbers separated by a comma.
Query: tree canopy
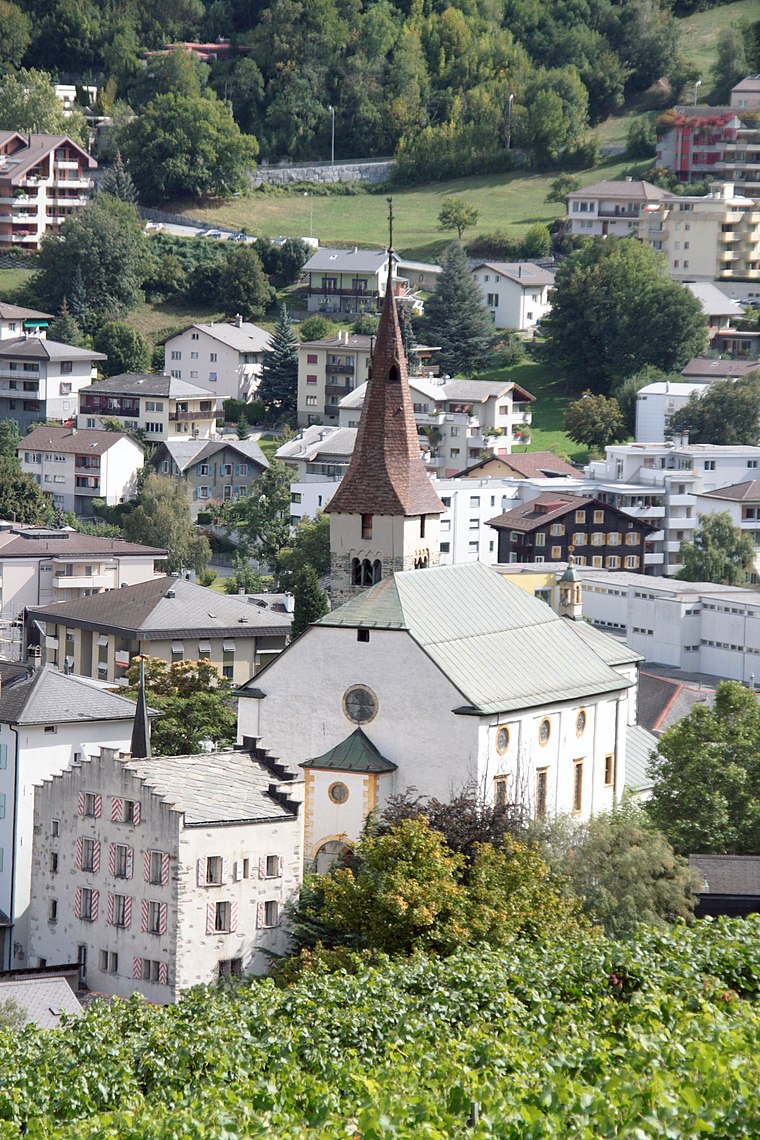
[[127, 349], [195, 703], [606, 294], [28, 102], [595, 420], [727, 412], [457, 214], [457, 319], [21, 496], [162, 519], [261, 518], [310, 601], [278, 390], [721, 552], [706, 793]]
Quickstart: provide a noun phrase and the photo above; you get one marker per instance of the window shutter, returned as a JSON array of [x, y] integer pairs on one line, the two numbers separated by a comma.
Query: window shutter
[[163, 973], [201, 872], [127, 911], [110, 909], [162, 918], [210, 918], [80, 803], [224, 870], [164, 868], [137, 812], [117, 810], [146, 867], [78, 903], [234, 906], [263, 867], [137, 968], [112, 859], [237, 870], [80, 842], [96, 855], [95, 895], [98, 806], [260, 915], [144, 926], [280, 866], [130, 861], [279, 913]]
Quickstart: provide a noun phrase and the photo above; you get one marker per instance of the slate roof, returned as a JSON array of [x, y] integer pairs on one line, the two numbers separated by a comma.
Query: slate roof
[[635, 190], [718, 369], [356, 753], [19, 313], [186, 452], [42, 1000], [748, 492], [714, 301], [525, 273], [640, 744], [165, 607], [245, 337], [503, 649], [346, 260], [386, 475], [39, 542], [528, 464], [663, 701], [149, 384], [728, 874], [73, 441], [35, 348], [50, 697], [213, 787]]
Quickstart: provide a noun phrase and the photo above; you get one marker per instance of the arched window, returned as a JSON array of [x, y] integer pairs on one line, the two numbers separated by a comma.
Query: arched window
[[377, 570], [367, 579], [328, 853], [394, 376], [421, 562], [356, 572]]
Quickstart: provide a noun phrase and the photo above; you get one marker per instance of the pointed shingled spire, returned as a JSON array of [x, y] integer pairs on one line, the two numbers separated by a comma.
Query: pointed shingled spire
[[140, 744], [386, 475]]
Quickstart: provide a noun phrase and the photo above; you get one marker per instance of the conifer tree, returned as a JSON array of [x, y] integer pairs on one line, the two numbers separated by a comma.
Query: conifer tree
[[242, 429], [457, 319], [310, 602], [117, 182], [64, 328], [279, 384]]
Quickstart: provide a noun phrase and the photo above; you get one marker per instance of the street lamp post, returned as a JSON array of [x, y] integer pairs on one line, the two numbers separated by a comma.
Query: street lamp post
[[331, 109], [509, 121], [311, 214], [697, 85]]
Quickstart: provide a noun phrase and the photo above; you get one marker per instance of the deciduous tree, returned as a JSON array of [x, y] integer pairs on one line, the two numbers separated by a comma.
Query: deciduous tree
[[162, 519], [195, 703], [262, 517], [21, 496], [28, 102], [457, 214], [721, 552], [127, 349], [243, 288], [309, 546], [727, 413], [595, 421]]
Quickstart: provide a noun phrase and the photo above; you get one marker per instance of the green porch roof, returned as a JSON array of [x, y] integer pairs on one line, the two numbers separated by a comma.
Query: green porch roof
[[356, 753]]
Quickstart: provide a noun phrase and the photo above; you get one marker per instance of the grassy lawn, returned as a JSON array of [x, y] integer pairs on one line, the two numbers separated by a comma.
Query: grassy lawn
[[504, 201], [11, 280], [699, 33]]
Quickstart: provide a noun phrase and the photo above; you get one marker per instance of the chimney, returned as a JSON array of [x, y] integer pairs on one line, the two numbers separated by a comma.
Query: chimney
[[629, 178], [238, 320]]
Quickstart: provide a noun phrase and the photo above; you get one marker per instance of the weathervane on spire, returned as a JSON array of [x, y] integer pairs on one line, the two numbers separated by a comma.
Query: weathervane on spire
[[390, 223]]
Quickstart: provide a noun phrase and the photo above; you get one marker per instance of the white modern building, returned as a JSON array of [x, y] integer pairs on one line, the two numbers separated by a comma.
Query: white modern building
[[741, 502], [657, 403], [518, 294], [48, 721], [40, 379], [17, 321], [161, 406], [165, 873], [74, 466], [612, 207], [224, 358]]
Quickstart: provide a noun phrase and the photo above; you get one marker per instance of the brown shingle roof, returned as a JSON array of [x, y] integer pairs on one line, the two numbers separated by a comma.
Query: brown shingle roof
[[528, 464], [748, 492], [76, 441], [545, 508], [386, 475]]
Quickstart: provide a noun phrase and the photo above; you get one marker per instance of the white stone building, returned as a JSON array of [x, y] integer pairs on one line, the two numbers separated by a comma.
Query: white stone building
[[75, 466], [40, 379], [517, 293], [48, 721], [612, 207], [169, 872], [159, 405], [224, 358]]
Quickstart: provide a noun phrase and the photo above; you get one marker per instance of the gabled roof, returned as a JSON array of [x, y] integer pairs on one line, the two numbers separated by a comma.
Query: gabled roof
[[50, 697], [554, 505], [165, 607], [719, 369], [41, 1000], [748, 492], [186, 452], [356, 753], [750, 83], [466, 391], [713, 300], [728, 874], [315, 441], [243, 337], [525, 273], [148, 384], [213, 787], [630, 190], [19, 313], [346, 260], [611, 649], [35, 148], [528, 464], [74, 441], [501, 648], [35, 348], [354, 340]]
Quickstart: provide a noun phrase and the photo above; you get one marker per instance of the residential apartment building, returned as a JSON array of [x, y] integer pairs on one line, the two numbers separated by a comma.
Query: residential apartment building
[[17, 321], [319, 453], [517, 293], [167, 618], [161, 406], [716, 236], [345, 280], [745, 95], [656, 404], [75, 466], [692, 142], [224, 358], [41, 564], [43, 178], [327, 370], [40, 379], [165, 873], [612, 207], [741, 501], [48, 721], [212, 469], [554, 525]]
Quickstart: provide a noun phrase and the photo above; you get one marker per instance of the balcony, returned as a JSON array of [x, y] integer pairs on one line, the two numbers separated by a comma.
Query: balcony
[[434, 419], [185, 417], [82, 581], [618, 215], [344, 369], [338, 389], [7, 373], [30, 237], [72, 183], [87, 485], [654, 559], [369, 294]]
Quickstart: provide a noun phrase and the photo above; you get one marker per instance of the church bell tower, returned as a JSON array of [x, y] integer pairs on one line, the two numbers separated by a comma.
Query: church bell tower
[[385, 515]]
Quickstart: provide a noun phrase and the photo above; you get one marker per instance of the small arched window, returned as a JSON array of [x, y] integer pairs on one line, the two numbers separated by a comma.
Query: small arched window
[[356, 572], [367, 579], [394, 376], [377, 570]]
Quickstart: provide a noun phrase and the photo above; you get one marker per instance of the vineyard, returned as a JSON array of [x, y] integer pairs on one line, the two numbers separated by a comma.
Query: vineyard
[[653, 1038]]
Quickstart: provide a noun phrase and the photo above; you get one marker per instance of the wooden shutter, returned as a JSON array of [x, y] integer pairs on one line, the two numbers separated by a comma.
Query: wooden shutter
[[210, 918], [110, 909], [233, 916], [146, 867], [94, 912], [130, 861], [144, 926], [137, 812], [280, 866], [78, 903], [117, 809], [127, 911], [163, 973], [80, 844], [162, 908], [137, 968], [96, 855], [98, 806], [112, 859], [237, 870], [260, 915], [263, 867], [164, 868], [80, 803], [224, 870]]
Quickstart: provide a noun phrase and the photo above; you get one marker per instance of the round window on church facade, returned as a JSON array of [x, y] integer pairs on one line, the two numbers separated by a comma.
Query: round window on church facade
[[544, 731], [580, 723], [338, 793], [360, 704], [502, 739]]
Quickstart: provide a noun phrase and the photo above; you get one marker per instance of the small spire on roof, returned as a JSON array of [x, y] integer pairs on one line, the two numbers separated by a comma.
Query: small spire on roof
[[140, 743]]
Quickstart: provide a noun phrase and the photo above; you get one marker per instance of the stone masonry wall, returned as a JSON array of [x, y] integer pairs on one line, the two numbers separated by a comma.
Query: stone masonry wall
[[342, 172]]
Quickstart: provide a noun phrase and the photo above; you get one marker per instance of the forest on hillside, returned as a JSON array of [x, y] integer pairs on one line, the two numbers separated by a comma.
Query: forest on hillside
[[434, 80]]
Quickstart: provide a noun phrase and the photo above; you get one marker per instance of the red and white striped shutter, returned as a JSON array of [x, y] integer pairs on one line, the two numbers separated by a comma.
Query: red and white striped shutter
[[80, 843], [110, 909], [146, 867], [78, 903], [127, 910], [210, 918], [201, 872], [137, 812], [117, 810], [112, 859], [163, 973], [95, 895], [80, 803], [234, 906], [137, 968], [96, 855], [224, 870], [98, 806], [164, 868], [260, 915], [263, 867], [144, 926], [162, 918], [130, 861]]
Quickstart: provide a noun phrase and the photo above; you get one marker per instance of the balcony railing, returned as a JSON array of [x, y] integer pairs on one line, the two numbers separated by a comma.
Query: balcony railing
[[81, 581], [338, 389], [198, 415]]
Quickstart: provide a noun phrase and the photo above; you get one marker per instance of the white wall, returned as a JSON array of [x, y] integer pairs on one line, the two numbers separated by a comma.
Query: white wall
[[228, 367]]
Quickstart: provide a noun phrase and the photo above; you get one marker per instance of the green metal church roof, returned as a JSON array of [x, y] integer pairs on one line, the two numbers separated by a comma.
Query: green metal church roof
[[356, 753]]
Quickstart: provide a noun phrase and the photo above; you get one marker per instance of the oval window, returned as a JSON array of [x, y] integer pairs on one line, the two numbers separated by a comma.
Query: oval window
[[502, 739], [580, 723], [544, 731]]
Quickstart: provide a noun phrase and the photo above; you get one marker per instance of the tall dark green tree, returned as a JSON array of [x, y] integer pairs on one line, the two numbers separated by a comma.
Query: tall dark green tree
[[127, 349], [117, 182], [457, 319], [20, 494], [278, 390], [243, 287], [310, 601], [64, 328]]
